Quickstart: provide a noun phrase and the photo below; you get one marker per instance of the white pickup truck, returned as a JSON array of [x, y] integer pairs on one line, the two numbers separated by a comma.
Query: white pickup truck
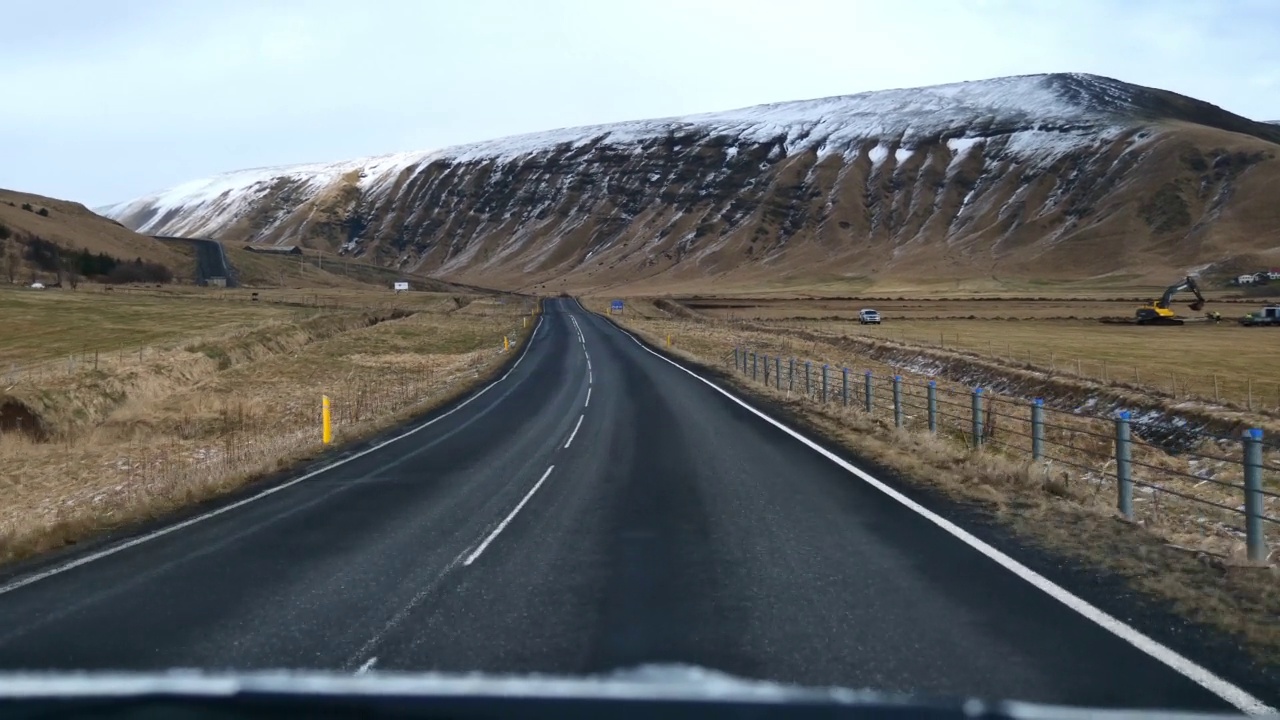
[[868, 317]]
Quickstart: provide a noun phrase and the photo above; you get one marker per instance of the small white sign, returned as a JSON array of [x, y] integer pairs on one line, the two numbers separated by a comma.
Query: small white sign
[[401, 286]]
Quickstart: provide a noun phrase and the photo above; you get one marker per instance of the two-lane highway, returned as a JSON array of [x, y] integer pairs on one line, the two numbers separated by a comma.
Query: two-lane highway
[[598, 507]]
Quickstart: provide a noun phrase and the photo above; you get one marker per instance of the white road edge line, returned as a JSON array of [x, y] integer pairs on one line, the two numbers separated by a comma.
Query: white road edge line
[[574, 434], [1183, 665], [105, 552], [588, 402], [367, 666], [503, 525]]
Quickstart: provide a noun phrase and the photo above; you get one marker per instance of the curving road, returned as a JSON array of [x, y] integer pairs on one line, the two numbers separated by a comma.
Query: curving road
[[598, 507]]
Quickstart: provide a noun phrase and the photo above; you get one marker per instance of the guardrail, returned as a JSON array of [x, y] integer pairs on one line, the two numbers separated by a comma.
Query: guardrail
[[1224, 484]]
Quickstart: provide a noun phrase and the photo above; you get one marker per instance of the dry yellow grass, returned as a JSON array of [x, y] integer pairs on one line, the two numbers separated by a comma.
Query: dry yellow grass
[[53, 326], [50, 325], [1186, 553], [203, 417], [1222, 363]]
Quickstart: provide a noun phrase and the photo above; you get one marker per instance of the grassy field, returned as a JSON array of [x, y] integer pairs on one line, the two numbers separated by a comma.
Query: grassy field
[[1219, 362], [225, 391], [50, 325], [1181, 552], [43, 325]]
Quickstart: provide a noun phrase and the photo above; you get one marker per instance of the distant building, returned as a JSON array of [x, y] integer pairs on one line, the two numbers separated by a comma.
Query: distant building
[[1245, 280], [1273, 274], [1261, 277], [275, 249]]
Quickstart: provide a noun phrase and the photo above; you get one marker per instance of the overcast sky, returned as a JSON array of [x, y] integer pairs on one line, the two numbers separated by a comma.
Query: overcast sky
[[106, 100]]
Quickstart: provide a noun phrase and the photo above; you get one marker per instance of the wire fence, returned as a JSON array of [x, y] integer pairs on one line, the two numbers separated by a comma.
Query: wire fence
[[1241, 391], [1224, 485]]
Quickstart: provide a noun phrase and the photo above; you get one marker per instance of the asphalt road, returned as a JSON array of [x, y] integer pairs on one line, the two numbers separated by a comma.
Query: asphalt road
[[597, 508]]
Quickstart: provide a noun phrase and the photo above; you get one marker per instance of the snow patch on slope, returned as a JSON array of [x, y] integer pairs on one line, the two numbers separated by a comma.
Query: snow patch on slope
[[894, 119]]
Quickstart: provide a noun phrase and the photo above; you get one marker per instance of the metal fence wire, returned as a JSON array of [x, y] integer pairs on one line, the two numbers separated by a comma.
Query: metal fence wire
[[1225, 485]]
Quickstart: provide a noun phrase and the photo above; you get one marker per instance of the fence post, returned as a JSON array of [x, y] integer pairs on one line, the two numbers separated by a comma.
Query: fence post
[[1124, 469], [1037, 429], [844, 375], [753, 366], [825, 368], [933, 406], [977, 417], [766, 370], [808, 387], [791, 376], [866, 400], [737, 363], [1255, 537], [897, 401], [777, 371]]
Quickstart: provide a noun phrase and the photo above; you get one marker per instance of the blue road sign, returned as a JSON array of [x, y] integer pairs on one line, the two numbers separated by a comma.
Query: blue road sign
[[616, 306]]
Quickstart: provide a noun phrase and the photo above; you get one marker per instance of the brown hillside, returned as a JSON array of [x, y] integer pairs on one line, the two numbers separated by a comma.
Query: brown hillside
[[72, 225]]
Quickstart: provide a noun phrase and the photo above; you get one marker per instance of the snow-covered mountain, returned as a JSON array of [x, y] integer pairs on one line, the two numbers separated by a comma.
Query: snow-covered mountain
[[1007, 175]]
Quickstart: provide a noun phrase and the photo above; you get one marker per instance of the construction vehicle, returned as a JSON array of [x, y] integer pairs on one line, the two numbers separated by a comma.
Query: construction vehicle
[[1269, 315], [1157, 312]]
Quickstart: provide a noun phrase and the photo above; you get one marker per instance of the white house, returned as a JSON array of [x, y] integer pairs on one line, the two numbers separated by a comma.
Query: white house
[[1245, 280], [1273, 275]]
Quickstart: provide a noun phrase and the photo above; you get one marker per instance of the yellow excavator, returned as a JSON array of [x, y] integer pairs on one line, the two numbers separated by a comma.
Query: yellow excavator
[[1157, 312]]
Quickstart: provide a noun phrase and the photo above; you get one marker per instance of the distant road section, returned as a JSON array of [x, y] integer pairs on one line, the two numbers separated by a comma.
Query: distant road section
[[211, 260]]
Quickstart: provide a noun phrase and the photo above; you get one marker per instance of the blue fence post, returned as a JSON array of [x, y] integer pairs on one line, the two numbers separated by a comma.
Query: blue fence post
[[1255, 536], [844, 374], [777, 372], [933, 406], [808, 388], [825, 368], [897, 401], [753, 366], [791, 376], [1037, 429], [867, 394], [977, 418], [766, 369], [1124, 468]]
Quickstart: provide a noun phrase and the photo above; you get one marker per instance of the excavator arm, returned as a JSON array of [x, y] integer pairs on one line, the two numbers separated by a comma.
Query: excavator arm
[[1187, 283]]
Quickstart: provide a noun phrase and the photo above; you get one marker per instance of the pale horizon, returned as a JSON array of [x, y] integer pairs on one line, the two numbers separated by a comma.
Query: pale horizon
[[114, 100]]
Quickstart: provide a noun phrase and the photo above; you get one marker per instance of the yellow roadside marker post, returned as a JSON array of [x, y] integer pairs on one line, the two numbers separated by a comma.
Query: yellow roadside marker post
[[326, 419]]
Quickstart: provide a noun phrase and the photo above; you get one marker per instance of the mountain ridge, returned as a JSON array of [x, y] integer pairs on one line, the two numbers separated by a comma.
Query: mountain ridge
[[546, 203]]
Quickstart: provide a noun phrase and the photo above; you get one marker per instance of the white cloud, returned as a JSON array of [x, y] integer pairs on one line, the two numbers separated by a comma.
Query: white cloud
[[110, 99]]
